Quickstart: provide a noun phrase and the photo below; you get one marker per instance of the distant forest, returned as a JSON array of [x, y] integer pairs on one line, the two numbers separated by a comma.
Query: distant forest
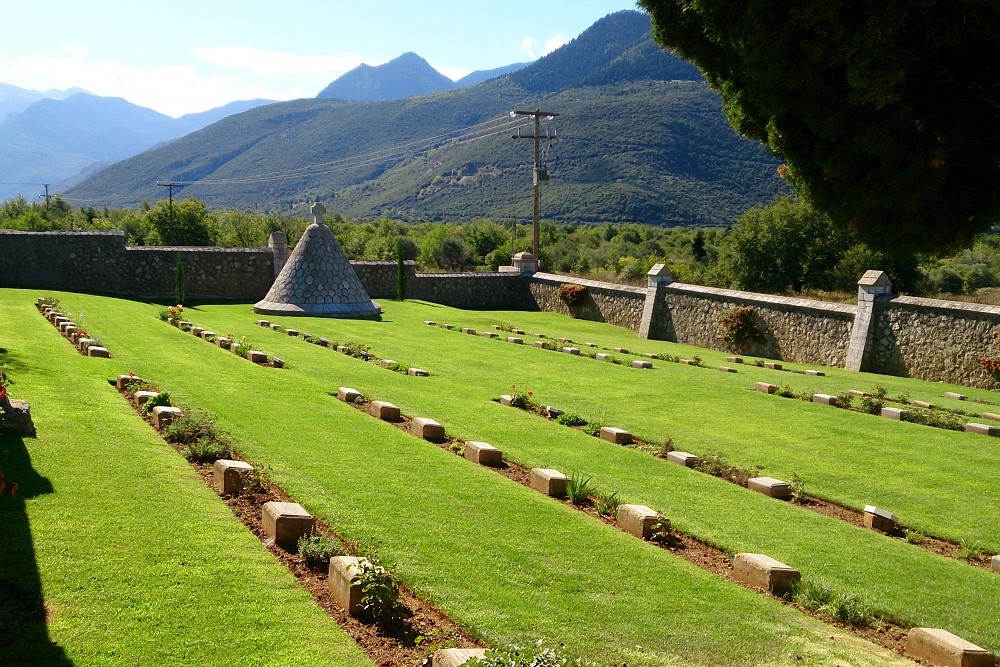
[[783, 248]]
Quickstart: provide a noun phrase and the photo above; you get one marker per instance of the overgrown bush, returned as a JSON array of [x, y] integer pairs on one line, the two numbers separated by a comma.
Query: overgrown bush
[[206, 450], [379, 591], [189, 428], [936, 418], [571, 294], [161, 398], [739, 326], [569, 419], [819, 597], [317, 550]]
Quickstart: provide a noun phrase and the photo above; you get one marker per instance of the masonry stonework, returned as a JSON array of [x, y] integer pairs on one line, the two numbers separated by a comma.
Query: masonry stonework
[[797, 329], [604, 302], [923, 338]]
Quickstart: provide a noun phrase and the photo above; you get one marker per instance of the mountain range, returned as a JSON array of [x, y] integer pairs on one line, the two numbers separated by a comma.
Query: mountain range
[[405, 76], [641, 137], [50, 137]]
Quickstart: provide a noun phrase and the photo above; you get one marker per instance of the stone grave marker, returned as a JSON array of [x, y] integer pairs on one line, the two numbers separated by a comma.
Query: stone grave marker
[[935, 646], [765, 573], [385, 411], [548, 481], [483, 453], [454, 657], [229, 476], [769, 486], [685, 459], [428, 429], [618, 436], [285, 523], [825, 399], [637, 520], [880, 519]]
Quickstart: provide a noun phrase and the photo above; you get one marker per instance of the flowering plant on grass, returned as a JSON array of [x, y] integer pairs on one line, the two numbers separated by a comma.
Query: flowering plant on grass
[[520, 398]]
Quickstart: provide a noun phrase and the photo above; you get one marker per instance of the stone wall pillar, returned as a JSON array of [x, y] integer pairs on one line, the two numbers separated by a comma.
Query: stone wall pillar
[[278, 243], [873, 285], [658, 275]]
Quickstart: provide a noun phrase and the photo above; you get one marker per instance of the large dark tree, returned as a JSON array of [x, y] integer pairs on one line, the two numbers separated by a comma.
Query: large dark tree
[[887, 112]]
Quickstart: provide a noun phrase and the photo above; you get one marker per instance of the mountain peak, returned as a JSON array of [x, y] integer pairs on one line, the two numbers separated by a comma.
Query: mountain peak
[[403, 76]]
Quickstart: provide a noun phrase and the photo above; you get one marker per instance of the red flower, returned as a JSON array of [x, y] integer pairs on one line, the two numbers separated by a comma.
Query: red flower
[[13, 488]]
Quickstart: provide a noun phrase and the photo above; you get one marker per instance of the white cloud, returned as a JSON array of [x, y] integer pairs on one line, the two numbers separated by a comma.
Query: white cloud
[[555, 41], [453, 73], [219, 76], [535, 49]]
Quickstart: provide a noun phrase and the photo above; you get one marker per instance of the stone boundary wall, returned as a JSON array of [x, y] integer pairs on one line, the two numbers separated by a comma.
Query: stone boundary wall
[[605, 302], [101, 262], [923, 338], [934, 340], [801, 330]]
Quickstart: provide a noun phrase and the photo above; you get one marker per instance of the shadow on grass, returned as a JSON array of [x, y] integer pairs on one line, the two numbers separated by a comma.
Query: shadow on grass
[[24, 637]]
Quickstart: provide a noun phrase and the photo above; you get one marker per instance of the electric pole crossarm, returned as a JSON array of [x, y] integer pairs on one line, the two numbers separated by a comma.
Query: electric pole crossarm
[[537, 136]]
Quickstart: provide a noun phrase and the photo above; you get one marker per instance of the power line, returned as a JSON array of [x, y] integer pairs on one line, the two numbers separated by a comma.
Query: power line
[[539, 171], [401, 151]]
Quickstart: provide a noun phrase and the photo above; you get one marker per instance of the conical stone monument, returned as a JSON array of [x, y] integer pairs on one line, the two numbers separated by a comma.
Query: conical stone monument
[[318, 280]]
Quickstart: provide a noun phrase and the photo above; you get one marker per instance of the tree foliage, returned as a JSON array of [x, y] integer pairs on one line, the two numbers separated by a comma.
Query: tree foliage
[[787, 245], [886, 113]]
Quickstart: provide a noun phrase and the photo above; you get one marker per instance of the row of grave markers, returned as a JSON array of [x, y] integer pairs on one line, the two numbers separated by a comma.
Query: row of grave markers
[[86, 345], [895, 414], [343, 349], [754, 570], [283, 523]]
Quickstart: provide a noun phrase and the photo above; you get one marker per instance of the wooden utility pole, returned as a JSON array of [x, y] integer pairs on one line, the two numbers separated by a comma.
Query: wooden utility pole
[[537, 170], [170, 197]]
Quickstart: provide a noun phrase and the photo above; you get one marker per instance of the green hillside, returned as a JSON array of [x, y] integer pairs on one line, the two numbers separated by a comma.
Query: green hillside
[[642, 138]]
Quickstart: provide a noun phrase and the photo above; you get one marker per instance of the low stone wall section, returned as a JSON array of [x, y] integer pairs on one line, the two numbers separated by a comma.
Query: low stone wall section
[[800, 330], [473, 291], [604, 302], [100, 262], [934, 340]]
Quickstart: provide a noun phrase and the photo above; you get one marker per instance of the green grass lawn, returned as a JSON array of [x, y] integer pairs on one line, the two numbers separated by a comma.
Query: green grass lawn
[[139, 563], [511, 565]]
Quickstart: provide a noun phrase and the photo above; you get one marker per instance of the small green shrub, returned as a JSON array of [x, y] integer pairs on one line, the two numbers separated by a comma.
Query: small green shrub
[[662, 529], [715, 464], [569, 419], [242, 347], [521, 398], [819, 597], [914, 536], [845, 400], [256, 481], [537, 655], [317, 550], [673, 358], [161, 398], [379, 591], [935, 418], [592, 428], [205, 450], [872, 405], [607, 504], [578, 488], [164, 315], [785, 392], [797, 486], [189, 428]]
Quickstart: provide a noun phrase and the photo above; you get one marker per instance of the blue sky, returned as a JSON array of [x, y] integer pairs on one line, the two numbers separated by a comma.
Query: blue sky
[[185, 56]]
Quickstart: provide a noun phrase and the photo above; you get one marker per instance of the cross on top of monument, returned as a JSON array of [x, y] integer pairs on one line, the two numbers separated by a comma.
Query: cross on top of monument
[[318, 210]]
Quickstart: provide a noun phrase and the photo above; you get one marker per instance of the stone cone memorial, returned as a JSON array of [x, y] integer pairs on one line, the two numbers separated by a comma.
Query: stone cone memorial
[[318, 280]]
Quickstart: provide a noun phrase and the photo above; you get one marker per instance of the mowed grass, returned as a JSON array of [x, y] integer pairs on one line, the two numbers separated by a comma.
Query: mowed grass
[[506, 562], [138, 562], [942, 472]]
